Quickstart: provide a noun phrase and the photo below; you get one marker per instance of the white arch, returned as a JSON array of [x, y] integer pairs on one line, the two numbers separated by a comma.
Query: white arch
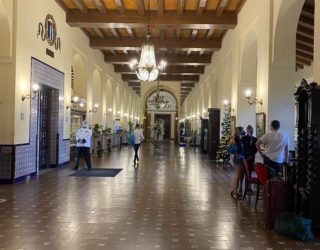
[[248, 80], [96, 97], [80, 79], [5, 31]]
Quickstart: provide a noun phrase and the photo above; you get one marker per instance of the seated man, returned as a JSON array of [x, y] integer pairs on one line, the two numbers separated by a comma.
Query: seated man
[[276, 148]]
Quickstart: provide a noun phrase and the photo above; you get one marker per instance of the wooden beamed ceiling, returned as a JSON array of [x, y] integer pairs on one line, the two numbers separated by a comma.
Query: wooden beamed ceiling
[[305, 36], [185, 33]]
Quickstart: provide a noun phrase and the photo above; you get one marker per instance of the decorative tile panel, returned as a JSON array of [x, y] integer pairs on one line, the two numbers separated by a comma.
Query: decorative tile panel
[[26, 155]]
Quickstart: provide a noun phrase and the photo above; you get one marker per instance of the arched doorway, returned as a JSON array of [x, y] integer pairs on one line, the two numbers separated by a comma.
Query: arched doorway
[[167, 113]]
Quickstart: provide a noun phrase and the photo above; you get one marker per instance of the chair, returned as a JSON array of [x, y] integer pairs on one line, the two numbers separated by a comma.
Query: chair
[[250, 180], [262, 176]]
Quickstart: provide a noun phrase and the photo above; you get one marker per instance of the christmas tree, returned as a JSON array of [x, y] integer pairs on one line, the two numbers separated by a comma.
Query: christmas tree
[[222, 153]]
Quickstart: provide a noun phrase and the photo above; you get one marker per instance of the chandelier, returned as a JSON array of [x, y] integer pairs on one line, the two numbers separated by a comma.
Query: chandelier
[[158, 101], [146, 69]]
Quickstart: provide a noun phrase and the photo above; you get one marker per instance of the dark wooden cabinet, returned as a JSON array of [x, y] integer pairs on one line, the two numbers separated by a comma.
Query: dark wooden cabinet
[[213, 132], [307, 188], [204, 136]]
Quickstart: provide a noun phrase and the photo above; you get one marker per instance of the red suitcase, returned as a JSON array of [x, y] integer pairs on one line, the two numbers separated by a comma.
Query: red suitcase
[[274, 200]]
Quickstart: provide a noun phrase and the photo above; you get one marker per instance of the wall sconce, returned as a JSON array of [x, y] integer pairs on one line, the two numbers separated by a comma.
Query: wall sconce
[[35, 90], [95, 108], [225, 102], [248, 97]]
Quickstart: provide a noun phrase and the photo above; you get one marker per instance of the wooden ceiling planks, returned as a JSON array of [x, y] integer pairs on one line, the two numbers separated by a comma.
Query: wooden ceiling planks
[[185, 32], [305, 36]]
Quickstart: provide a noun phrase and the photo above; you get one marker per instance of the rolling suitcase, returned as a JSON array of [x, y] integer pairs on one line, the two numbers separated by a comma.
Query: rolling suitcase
[[274, 200]]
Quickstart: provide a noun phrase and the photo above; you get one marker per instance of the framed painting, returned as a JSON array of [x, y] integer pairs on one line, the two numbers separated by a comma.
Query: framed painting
[[260, 124]]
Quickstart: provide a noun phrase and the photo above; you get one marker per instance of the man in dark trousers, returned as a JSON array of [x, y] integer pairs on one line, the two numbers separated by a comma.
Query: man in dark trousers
[[83, 138]]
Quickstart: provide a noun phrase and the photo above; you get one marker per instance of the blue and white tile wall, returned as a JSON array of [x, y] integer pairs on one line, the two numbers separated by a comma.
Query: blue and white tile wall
[[26, 162]]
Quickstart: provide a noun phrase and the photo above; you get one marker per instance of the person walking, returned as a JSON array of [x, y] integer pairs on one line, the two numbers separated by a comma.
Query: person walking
[[138, 137], [276, 150], [237, 160], [83, 137]]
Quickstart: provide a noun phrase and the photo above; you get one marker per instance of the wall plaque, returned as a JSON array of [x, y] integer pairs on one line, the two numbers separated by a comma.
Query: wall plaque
[[48, 31]]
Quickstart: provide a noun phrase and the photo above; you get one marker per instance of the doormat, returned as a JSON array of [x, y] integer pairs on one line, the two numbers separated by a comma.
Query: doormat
[[97, 172]]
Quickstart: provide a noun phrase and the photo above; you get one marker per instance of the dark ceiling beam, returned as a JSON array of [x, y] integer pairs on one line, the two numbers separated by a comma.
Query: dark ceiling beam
[[120, 6], [221, 7], [100, 6], [99, 33], [194, 34], [177, 78], [169, 69], [170, 19], [129, 44], [134, 84], [180, 6], [306, 20], [299, 65], [209, 34], [304, 55], [115, 33], [80, 5], [160, 7], [305, 31], [191, 85], [170, 59], [303, 61], [62, 5], [305, 39], [186, 89], [201, 6], [304, 48], [130, 33], [140, 5]]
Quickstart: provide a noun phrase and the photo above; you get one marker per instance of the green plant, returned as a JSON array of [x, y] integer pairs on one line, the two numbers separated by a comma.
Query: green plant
[[97, 129], [99, 149], [106, 131]]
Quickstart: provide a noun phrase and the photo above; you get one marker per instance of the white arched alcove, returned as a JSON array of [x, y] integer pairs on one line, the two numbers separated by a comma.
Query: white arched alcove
[[281, 74], [246, 114], [96, 114], [80, 79], [5, 31]]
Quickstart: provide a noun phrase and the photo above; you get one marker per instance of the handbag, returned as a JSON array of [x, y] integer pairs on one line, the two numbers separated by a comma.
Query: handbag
[[131, 138], [232, 148]]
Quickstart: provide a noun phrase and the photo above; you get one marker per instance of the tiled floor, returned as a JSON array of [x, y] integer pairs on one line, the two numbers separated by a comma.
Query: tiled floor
[[175, 199]]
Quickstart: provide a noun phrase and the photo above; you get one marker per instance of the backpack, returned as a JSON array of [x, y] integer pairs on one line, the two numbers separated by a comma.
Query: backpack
[[131, 138], [293, 225]]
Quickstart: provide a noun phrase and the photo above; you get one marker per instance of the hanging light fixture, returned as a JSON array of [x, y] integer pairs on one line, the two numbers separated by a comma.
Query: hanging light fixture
[[158, 101], [147, 69]]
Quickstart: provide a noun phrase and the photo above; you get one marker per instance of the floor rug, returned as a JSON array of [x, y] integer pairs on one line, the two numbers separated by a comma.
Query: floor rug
[[97, 172]]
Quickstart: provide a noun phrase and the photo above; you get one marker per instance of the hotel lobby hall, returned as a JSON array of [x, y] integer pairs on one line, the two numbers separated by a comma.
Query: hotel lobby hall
[[174, 199], [186, 79]]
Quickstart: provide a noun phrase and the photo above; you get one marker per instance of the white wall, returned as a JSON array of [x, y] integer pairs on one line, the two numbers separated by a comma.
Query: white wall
[[26, 44]]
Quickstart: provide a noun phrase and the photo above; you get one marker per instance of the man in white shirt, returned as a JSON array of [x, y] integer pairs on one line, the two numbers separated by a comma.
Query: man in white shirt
[[83, 138], [138, 137], [276, 147]]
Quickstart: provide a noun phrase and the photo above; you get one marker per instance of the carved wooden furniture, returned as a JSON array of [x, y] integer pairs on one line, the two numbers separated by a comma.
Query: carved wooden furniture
[[307, 188]]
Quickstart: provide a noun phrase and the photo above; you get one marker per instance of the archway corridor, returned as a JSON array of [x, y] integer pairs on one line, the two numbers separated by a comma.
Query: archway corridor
[[175, 199]]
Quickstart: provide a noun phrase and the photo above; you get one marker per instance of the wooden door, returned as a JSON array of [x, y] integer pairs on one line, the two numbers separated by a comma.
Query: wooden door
[[44, 128], [213, 132], [167, 124]]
